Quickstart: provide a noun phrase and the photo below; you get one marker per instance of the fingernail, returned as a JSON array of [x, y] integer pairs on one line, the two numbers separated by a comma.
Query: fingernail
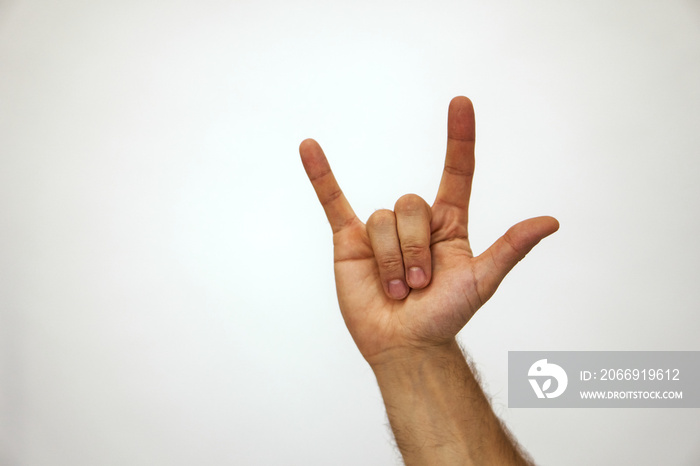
[[397, 289], [416, 276]]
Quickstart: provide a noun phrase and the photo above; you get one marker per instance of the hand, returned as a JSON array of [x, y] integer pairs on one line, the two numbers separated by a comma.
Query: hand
[[407, 279]]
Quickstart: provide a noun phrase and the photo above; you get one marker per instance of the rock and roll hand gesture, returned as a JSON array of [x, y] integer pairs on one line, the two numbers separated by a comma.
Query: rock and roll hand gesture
[[407, 279]]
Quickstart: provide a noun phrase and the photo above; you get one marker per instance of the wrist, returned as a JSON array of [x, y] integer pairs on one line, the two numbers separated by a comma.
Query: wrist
[[410, 357]]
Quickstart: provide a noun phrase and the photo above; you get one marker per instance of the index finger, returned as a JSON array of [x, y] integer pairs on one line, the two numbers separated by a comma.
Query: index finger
[[456, 183], [337, 208]]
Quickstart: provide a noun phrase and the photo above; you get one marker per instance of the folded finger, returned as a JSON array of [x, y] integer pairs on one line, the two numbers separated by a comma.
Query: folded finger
[[381, 228], [413, 217]]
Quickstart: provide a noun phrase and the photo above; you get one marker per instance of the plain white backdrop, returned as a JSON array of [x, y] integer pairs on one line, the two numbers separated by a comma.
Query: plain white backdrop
[[166, 289]]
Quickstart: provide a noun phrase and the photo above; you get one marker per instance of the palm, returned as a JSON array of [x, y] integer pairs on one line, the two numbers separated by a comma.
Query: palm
[[427, 316], [460, 282]]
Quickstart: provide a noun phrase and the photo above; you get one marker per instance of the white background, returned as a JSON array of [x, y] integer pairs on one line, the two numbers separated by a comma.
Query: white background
[[166, 290]]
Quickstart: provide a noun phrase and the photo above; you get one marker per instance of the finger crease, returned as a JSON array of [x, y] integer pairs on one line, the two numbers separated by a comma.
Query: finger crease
[[452, 170], [320, 175], [508, 241], [335, 194]]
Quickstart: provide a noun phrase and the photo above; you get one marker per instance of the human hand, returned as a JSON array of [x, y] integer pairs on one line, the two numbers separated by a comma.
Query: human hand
[[407, 279]]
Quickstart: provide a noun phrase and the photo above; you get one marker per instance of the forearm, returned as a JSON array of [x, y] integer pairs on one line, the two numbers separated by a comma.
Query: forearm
[[438, 412]]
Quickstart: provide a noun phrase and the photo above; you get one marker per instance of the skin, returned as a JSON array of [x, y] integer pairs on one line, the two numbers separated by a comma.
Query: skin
[[407, 283]]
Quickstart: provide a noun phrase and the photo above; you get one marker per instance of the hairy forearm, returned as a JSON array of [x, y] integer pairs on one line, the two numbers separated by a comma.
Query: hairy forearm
[[438, 412]]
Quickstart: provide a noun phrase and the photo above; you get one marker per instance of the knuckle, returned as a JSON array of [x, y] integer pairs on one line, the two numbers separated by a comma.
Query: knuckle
[[410, 203], [413, 249], [390, 263], [381, 218]]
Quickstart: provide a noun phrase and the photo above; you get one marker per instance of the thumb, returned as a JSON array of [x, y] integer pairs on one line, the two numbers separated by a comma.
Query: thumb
[[494, 264]]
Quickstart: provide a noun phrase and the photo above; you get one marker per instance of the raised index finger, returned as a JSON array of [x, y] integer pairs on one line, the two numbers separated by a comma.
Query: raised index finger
[[336, 206], [456, 183]]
